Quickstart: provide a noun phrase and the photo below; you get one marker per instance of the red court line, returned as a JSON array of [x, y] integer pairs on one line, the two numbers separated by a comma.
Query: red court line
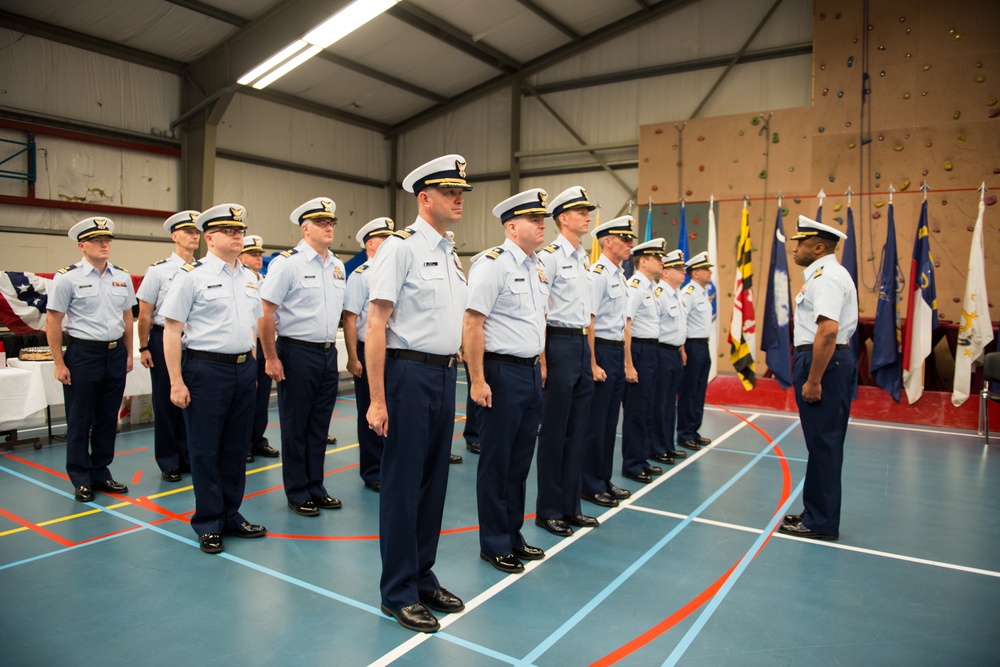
[[695, 603], [136, 478], [130, 529], [36, 466], [132, 451], [58, 539]]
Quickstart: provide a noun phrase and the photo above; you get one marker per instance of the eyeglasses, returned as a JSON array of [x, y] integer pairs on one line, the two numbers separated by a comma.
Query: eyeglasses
[[323, 223], [230, 231]]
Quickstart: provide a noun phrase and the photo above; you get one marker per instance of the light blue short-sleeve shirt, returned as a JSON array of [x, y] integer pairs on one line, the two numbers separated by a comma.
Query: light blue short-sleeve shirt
[[93, 302]]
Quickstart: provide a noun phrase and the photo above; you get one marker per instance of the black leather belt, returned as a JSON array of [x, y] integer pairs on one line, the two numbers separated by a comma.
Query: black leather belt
[[647, 341], [697, 340], [510, 359], [809, 347], [565, 331], [443, 360], [221, 358], [157, 327], [98, 344], [307, 343], [668, 346], [609, 342]]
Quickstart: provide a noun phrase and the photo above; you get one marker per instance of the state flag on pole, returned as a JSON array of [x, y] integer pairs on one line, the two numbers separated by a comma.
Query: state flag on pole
[[682, 241], [713, 292], [976, 330], [887, 355], [921, 311], [849, 260], [776, 339], [742, 327]]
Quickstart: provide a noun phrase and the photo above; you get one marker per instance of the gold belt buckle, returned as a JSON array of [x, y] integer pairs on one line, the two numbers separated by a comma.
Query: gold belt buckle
[[451, 362], [112, 345], [241, 358], [326, 346], [584, 331]]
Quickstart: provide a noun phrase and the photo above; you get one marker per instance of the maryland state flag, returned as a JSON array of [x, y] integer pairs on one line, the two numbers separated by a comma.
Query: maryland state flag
[[742, 328]]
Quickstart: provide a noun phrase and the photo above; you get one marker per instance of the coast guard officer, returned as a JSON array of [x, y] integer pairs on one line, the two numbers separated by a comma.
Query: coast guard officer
[[471, 430], [694, 382], [252, 257], [215, 303], [370, 237], [92, 302], [824, 375], [504, 332], [169, 439], [609, 294], [640, 434], [303, 297], [670, 356], [418, 296], [568, 382]]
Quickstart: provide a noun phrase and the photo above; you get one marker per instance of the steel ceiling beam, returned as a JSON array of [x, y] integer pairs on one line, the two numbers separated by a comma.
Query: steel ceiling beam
[[294, 102], [550, 19], [381, 76], [212, 12]]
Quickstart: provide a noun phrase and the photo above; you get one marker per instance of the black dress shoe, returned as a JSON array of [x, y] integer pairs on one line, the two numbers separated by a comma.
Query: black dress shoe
[[799, 529], [172, 475], [414, 617], [653, 471], [247, 530], [619, 493], [508, 564], [665, 458], [528, 552], [268, 451], [581, 520], [640, 476], [84, 494], [210, 543], [677, 454], [110, 486], [328, 502], [250, 458], [554, 526], [305, 508], [703, 441], [792, 518], [473, 447], [375, 486], [442, 600], [693, 445], [602, 499], [331, 440], [455, 458]]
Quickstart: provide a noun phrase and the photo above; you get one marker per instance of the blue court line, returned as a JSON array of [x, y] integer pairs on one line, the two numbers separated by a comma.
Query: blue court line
[[770, 456], [642, 560], [717, 599]]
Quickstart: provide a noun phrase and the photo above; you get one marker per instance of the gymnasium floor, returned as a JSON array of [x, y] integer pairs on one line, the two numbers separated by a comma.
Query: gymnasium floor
[[687, 571]]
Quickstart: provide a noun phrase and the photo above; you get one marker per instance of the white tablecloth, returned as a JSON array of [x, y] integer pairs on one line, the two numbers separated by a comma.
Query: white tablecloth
[[136, 383], [21, 396]]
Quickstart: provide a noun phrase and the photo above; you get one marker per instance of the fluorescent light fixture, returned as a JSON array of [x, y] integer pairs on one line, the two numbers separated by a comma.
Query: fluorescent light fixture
[[344, 22]]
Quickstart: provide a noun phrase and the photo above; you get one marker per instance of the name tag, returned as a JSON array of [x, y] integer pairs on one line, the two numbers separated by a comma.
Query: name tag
[[85, 290], [430, 263]]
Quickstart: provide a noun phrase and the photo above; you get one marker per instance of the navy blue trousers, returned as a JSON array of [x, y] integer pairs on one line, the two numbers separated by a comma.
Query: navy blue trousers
[[824, 425], [420, 399], [170, 444], [599, 444], [218, 422], [369, 444], [258, 440], [669, 369], [508, 436], [471, 431], [92, 402], [569, 386], [640, 435], [305, 404], [694, 384]]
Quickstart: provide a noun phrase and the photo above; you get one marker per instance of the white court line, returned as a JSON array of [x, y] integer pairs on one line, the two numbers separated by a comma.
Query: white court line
[[820, 543], [510, 580]]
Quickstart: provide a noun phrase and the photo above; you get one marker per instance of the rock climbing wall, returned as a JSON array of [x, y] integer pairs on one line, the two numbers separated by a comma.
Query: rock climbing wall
[[904, 93]]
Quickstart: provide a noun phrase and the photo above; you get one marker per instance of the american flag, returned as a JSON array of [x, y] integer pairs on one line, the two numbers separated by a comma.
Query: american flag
[[22, 301]]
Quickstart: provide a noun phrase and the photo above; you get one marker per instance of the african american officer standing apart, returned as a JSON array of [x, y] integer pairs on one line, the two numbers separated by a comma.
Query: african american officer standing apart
[[825, 371], [609, 293], [215, 303], [418, 297], [169, 438], [568, 382], [303, 297], [92, 302], [370, 236], [503, 336]]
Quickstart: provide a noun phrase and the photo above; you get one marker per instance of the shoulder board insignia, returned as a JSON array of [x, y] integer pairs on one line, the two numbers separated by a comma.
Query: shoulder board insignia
[[120, 268], [67, 268], [658, 291], [689, 289], [405, 233], [550, 248], [495, 252], [361, 269], [192, 265], [288, 253], [597, 268], [634, 283], [162, 261], [818, 273]]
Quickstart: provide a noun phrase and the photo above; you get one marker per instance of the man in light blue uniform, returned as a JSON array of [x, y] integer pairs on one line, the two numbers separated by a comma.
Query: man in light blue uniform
[[694, 382], [642, 330], [504, 333], [609, 295], [566, 376], [169, 438], [824, 376], [370, 236], [215, 303], [303, 297], [670, 355], [92, 302], [418, 297]]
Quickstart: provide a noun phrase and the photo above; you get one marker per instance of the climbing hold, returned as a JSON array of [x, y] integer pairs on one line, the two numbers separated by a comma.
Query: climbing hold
[[784, 211], [881, 137], [658, 131], [701, 138], [695, 221], [832, 179], [850, 61], [755, 121], [879, 204], [680, 163], [688, 193], [957, 115], [822, 16], [851, 145], [825, 91], [906, 96], [925, 172], [839, 219], [840, 93], [797, 201], [701, 167], [904, 186], [730, 185], [655, 188], [878, 175], [693, 235], [837, 207], [962, 137], [897, 148], [944, 202], [876, 215], [823, 66], [929, 144], [741, 133], [923, 93], [924, 68], [847, 124], [906, 136], [791, 169], [994, 113], [822, 129], [989, 200], [948, 166], [990, 101], [774, 138], [881, 48], [865, 141], [837, 16], [645, 159], [674, 222], [763, 173], [902, 19], [882, 73]]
